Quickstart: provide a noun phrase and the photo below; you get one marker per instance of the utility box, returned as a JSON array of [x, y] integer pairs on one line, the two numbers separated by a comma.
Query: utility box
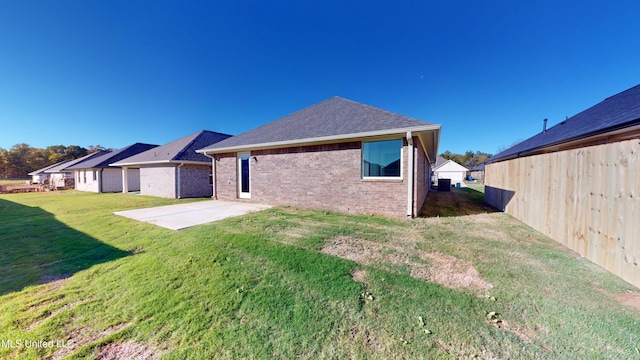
[[444, 184]]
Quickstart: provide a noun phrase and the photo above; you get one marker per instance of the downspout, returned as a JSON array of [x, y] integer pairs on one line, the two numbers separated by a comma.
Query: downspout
[[214, 194], [410, 175], [178, 181], [100, 180]]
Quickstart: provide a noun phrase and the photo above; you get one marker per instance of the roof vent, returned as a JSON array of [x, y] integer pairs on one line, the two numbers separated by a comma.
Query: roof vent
[[544, 125]]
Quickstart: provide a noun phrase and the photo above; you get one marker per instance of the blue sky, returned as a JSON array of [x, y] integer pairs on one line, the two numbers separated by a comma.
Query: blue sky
[[118, 72]]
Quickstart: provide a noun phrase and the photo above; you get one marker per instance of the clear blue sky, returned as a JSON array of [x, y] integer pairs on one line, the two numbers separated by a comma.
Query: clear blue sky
[[118, 72]]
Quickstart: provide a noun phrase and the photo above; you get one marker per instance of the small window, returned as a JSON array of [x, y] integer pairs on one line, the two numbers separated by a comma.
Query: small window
[[382, 158]]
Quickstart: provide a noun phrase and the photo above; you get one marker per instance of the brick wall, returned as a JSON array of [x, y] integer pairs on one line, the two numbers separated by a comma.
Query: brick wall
[[194, 181], [158, 181], [319, 177]]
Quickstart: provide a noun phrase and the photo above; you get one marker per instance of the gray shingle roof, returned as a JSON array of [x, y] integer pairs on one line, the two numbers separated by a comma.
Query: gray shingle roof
[[64, 166], [615, 112], [104, 160], [440, 161], [41, 171], [332, 117], [183, 149]]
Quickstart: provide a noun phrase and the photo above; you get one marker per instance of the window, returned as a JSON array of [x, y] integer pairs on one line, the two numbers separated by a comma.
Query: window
[[382, 158]]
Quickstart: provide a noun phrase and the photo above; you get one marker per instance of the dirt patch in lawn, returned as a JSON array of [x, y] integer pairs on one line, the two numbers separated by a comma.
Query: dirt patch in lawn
[[453, 272], [631, 298], [442, 269], [80, 337], [127, 350]]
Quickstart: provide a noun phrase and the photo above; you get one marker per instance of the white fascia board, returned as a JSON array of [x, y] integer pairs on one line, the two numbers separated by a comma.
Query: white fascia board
[[160, 162], [322, 139]]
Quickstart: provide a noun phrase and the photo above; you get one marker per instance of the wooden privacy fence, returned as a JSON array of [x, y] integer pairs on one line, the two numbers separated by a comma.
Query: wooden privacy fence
[[587, 199]]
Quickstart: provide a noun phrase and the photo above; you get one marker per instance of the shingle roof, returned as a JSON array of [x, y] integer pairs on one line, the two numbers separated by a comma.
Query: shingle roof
[[63, 167], [332, 117], [104, 160], [615, 112], [440, 161], [41, 171], [183, 149]]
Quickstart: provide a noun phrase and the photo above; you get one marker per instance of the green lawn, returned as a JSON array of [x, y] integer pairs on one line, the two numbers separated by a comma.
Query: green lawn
[[286, 282]]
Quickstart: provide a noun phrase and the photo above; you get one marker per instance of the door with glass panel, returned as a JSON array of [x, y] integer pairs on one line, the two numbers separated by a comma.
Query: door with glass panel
[[244, 176]]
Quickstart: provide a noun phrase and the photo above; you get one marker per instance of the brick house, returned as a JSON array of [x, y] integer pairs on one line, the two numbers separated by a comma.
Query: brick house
[[337, 155], [174, 170], [97, 175]]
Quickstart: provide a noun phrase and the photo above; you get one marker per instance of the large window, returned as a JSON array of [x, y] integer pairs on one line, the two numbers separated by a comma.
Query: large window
[[382, 158]]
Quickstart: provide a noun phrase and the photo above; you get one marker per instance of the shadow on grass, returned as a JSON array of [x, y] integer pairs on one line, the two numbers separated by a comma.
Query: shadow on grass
[[37, 248], [457, 202]]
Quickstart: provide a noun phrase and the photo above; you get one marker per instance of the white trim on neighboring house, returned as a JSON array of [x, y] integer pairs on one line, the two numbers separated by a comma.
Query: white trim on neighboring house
[[159, 162]]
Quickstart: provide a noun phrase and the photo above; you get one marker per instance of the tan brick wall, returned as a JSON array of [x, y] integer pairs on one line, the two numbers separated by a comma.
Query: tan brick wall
[[158, 181], [318, 177]]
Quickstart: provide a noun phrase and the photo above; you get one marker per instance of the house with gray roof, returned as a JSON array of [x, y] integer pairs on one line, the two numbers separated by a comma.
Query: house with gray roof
[[577, 182], [175, 169], [337, 155], [40, 177], [60, 176], [449, 169], [98, 175]]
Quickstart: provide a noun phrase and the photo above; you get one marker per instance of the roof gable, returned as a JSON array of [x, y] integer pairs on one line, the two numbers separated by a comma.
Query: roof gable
[[615, 112], [104, 160], [332, 117], [183, 149], [448, 165]]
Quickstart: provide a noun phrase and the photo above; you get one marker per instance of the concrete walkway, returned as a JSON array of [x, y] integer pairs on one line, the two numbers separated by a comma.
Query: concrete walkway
[[182, 216]]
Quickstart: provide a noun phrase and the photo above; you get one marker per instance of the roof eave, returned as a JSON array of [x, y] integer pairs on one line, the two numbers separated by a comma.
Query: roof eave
[[624, 128], [160, 162], [321, 139]]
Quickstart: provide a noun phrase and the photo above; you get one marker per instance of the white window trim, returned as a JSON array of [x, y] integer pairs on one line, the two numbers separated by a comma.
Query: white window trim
[[243, 195], [379, 178]]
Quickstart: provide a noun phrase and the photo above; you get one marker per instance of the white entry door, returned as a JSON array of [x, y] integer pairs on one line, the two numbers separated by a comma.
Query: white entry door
[[244, 176]]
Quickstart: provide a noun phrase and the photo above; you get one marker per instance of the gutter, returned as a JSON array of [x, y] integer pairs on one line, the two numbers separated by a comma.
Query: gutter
[[178, 194], [331, 138], [214, 194], [410, 175]]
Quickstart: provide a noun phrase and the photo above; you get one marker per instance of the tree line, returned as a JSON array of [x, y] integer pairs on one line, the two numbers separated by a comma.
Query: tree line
[[21, 159], [469, 159]]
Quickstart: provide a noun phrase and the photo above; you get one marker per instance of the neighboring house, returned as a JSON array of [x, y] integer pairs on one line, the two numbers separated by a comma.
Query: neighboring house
[[175, 170], [61, 177], [449, 169], [40, 177], [97, 175], [577, 182], [336, 155], [477, 172]]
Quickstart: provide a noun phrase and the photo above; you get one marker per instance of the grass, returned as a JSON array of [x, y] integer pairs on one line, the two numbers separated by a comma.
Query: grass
[[290, 282]]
